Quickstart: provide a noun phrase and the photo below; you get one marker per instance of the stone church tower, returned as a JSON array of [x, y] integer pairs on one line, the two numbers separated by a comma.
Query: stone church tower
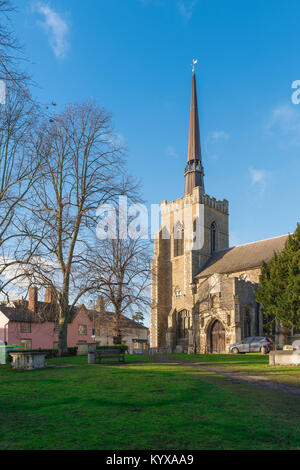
[[202, 291], [176, 259]]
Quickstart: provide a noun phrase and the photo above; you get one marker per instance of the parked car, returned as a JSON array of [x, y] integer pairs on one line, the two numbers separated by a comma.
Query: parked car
[[252, 344]]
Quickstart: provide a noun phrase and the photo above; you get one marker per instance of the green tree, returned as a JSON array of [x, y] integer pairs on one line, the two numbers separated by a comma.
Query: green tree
[[138, 317], [279, 286]]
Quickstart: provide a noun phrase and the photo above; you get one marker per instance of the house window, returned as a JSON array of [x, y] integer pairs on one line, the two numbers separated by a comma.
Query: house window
[[26, 344], [82, 329], [25, 327]]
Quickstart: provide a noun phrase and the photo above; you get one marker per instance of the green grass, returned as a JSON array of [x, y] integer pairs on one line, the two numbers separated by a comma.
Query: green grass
[[249, 364], [147, 405]]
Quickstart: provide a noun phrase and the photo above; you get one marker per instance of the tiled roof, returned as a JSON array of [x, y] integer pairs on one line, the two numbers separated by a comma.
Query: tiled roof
[[107, 318], [242, 257], [46, 312]]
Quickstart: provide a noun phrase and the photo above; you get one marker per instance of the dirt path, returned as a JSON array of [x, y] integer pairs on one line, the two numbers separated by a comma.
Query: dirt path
[[256, 380]]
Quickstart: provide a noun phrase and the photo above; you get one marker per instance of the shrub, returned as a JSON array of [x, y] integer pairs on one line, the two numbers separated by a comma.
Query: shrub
[[72, 351], [121, 347], [50, 353]]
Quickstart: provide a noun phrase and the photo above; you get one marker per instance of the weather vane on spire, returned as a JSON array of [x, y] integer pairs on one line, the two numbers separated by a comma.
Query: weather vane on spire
[[195, 61]]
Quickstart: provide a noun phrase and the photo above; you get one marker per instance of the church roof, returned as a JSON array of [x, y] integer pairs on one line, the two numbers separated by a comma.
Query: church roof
[[106, 319], [242, 257]]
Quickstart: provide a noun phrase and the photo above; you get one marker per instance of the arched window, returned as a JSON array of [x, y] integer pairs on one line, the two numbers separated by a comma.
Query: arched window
[[247, 323], [213, 237], [183, 324], [178, 239]]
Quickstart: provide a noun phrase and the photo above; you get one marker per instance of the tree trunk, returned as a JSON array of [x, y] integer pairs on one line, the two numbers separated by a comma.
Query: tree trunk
[[63, 337], [63, 326], [117, 327]]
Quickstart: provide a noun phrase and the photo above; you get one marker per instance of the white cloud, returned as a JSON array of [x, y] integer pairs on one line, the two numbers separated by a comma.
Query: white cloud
[[56, 28], [259, 179], [212, 143], [118, 140], [186, 8], [284, 122], [234, 239], [219, 135], [171, 152]]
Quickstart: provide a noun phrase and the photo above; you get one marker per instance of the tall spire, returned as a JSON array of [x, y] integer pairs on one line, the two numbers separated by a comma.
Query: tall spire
[[194, 172]]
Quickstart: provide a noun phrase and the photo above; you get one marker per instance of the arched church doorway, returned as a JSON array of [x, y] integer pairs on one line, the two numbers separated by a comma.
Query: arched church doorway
[[217, 337], [183, 324]]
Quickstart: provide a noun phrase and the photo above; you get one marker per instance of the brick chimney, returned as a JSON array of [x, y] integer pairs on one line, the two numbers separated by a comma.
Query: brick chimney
[[100, 304], [50, 297], [33, 299]]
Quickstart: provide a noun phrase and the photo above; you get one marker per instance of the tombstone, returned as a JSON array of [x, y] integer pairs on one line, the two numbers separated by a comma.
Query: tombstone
[[28, 360], [2, 353], [296, 344], [91, 357]]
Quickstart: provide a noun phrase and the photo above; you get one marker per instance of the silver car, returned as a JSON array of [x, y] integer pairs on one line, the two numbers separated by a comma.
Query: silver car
[[252, 344]]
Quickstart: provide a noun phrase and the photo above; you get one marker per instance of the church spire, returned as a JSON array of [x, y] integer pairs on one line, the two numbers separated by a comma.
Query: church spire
[[194, 172]]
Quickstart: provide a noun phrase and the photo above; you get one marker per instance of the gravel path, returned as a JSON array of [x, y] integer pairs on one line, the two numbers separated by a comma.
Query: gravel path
[[256, 380]]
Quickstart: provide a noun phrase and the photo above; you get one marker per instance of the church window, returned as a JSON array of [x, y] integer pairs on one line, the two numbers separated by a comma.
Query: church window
[[194, 230], [212, 300], [178, 239], [247, 323], [178, 292], [213, 237], [183, 324]]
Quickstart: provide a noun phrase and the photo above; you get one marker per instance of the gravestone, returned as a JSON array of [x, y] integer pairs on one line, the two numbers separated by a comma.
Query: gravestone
[[27, 360]]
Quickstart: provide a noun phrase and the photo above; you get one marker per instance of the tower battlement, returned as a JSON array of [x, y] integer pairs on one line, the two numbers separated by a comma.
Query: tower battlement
[[196, 198]]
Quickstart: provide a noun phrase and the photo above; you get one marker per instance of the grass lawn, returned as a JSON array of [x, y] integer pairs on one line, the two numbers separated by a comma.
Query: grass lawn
[[250, 364], [148, 405]]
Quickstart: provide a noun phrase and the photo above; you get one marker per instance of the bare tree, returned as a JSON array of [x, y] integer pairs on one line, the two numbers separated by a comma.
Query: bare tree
[[18, 171], [11, 52], [122, 265], [81, 168]]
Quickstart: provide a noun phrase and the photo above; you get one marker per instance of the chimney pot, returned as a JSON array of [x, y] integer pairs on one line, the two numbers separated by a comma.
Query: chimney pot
[[50, 297], [33, 299]]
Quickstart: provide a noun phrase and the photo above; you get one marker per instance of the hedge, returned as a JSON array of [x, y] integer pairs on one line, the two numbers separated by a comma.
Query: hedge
[[51, 353], [122, 347]]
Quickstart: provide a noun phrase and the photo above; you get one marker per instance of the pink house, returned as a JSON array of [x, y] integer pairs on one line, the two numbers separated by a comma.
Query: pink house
[[32, 324]]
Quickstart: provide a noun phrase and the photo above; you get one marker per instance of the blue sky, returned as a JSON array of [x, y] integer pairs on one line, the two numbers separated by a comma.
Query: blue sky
[[134, 57]]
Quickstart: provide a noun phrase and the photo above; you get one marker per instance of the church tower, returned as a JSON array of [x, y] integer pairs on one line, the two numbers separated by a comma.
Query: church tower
[[194, 171], [177, 256]]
